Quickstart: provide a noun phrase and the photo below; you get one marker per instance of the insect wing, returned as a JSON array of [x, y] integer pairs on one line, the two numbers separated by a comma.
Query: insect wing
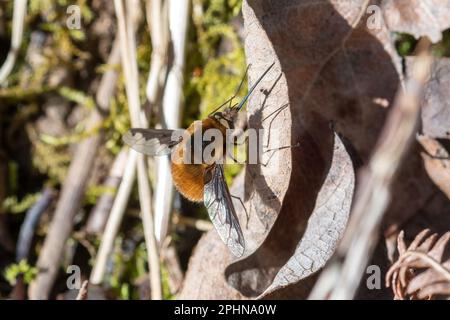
[[221, 211], [153, 142]]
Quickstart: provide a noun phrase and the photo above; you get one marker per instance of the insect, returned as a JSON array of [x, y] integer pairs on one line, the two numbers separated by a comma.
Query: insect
[[200, 182]]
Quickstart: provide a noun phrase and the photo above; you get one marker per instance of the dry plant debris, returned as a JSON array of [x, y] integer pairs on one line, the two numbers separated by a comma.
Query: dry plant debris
[[420, 271], [83, 292]]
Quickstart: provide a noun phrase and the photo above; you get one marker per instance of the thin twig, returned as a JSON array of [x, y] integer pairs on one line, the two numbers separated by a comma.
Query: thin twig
[[29, 224], [114, 220], [170, 257], [199, 224], [178, 22], [99, 215], [158, 23], [425, 258], [68, 205], [129, 64], [83, 293], [72, 194], [341, 278], [19, 11]]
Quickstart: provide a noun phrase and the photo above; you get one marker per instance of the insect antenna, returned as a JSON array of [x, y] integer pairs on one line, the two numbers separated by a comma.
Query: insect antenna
[[274, 114]]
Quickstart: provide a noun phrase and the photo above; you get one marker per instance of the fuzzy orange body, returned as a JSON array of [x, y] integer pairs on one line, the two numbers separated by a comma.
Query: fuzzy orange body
[[189, 178]]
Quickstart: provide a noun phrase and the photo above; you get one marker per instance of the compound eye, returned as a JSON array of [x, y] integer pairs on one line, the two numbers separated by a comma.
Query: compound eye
[[218, 115]]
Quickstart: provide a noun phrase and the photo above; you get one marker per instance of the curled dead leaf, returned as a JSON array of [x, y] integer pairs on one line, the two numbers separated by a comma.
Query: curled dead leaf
[[425, 253], [326, 224], [204, 279]]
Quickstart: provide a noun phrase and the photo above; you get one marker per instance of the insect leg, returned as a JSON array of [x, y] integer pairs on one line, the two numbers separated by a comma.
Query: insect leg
[[230, 152], [232, 158], [278, 149], [276, 113], [241, 143]]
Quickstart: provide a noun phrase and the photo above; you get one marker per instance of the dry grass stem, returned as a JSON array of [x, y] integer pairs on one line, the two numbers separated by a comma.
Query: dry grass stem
[[126, 26]]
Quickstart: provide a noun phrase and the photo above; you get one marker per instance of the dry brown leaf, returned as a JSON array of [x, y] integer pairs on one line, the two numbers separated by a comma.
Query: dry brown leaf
[[418, 17], [424, 173], [331, 72], [325, 225], [204, 279], [441, 289], [329, 77], [435, 105], [436, 124], [424, 283], [425, 252]]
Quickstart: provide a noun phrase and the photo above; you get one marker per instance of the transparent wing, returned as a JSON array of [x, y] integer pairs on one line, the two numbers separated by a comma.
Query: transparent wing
[[220, 208], [153, 142]]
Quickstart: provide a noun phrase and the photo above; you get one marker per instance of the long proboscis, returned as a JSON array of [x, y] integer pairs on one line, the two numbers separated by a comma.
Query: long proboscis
[[244, 100]]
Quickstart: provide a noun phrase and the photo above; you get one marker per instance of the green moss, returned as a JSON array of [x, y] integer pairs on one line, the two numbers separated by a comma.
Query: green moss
[[442, 49], [13, 205], [406, 44], [95, 191], [52, 161], [165, 283], [22, 268], [212, 75]]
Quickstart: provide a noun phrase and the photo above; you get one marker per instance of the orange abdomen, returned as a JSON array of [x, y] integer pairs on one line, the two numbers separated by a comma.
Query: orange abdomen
[[189, 178]]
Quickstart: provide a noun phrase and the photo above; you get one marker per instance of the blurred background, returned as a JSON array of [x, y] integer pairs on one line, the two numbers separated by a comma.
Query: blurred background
[[47, 104]]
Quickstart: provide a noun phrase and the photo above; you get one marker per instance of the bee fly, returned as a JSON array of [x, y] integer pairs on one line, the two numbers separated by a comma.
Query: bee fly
[[203, 181]]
